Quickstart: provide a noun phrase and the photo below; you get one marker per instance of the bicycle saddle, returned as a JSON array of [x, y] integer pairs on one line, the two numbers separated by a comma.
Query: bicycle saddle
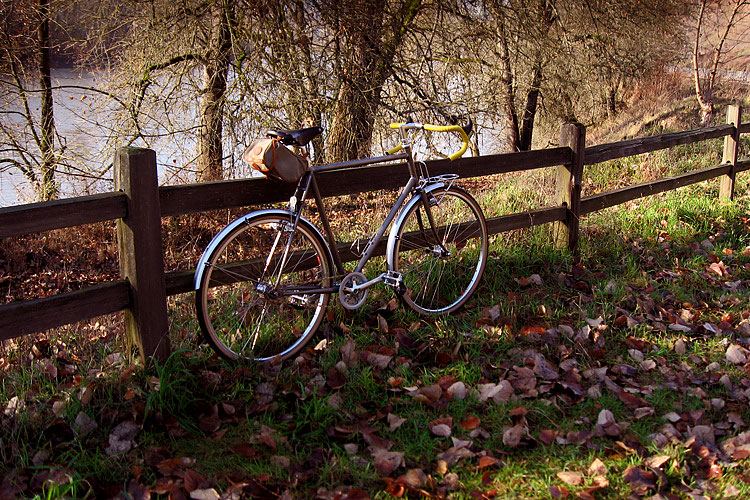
[[295, 137]]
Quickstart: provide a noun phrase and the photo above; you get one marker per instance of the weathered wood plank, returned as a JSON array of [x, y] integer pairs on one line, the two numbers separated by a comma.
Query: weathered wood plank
[[22, 318], [141, 252], [610, 151], [745, 128], [176, 200], [523, 220], [731, 147], [618, 196], [56, 214], [742, 165], [568, 186]]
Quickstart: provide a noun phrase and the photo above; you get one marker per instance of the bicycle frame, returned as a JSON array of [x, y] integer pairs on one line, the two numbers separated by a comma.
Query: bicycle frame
[[309, 184]]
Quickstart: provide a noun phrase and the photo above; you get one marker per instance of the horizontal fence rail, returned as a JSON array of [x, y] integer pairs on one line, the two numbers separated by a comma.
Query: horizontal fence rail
[[632, 147], [21, 318], [58, 214], [24, 317], [191, 198]]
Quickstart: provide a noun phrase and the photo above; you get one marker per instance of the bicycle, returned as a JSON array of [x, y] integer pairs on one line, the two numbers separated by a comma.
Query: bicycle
[[264, 282]]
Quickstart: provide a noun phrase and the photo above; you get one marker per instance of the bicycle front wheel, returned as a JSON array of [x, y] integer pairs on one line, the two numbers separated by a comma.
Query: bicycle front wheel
[[440, 268], [260, 293]]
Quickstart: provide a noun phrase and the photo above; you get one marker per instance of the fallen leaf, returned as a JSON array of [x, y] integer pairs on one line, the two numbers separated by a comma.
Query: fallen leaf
[[597, 467], [387, 461], [547, 436], [737, 447], [441, 427], [735, 355], [512, 435], [656, 461], [207, 494], [571, 478], [470, 423], [558, 492], [487, 461], [175, 466], [679, 347], [394, 421], [382, 324], [457, 391], [641, 481], [121, 440], [84, 424]]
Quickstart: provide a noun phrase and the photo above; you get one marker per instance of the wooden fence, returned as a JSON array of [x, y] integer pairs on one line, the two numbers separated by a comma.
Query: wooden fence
[[138, 204]]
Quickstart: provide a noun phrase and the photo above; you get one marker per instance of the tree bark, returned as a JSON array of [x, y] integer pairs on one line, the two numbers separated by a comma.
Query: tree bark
[[546, 20], [47, 189], [703, 95], [211, 108], [512, 141], [529, 112], [369, 43]]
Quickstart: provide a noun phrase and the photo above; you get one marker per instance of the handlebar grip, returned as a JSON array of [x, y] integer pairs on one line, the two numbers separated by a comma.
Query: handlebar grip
[[395, 149], [452, 128]]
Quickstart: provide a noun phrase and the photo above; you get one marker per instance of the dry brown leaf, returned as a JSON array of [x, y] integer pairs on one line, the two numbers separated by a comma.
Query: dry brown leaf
[[457, 391], [736, 355], [598, 468], [206, 494], [487, 461], [121, 440], [737, 447], [470, 423], [382, 324], [558, 492], [394, 421], [387, 461], [441, 430], [512, 435], [570, 478]]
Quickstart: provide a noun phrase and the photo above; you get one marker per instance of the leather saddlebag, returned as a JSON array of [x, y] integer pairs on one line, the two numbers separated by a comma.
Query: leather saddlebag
[[275, 161]]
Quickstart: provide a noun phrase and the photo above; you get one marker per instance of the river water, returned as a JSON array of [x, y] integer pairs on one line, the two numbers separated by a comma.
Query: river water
[[83, 121]]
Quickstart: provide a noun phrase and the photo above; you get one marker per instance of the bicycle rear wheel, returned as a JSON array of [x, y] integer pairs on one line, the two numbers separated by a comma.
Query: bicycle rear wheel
[[440, 274], [259, 296]]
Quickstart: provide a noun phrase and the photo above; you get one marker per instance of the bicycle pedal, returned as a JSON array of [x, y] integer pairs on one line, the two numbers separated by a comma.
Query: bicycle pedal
[[394, 279]]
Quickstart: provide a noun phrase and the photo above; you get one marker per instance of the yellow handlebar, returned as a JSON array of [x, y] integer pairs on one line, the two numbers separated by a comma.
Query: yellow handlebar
[[438, 128]]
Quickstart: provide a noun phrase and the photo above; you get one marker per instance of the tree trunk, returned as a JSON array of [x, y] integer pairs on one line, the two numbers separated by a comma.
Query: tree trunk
[[703, 95], [508, 91], [47, 189], [211, 108], [529, 112], [360, 87], [546, 20], [369, 43]]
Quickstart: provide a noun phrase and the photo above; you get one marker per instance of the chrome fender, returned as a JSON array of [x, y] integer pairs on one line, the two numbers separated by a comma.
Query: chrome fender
[[400, 220], [203, 261]]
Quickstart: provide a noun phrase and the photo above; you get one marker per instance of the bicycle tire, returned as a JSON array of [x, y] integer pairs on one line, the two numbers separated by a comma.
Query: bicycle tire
[[240, 301], [434, 282]]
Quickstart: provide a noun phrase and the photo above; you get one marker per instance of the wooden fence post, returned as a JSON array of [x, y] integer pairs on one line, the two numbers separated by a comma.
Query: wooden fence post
[[141, 253], [568, 186], [731, 143]]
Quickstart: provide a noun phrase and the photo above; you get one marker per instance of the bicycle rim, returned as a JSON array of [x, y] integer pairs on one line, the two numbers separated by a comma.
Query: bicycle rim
[[252, 302], [439, 275]]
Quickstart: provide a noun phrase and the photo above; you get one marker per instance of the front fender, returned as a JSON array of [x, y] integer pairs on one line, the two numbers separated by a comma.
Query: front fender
[[400, 220], [203, 261]]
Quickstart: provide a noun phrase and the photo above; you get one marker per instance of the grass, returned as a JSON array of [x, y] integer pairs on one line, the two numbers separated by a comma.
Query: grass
[[314, 424]]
